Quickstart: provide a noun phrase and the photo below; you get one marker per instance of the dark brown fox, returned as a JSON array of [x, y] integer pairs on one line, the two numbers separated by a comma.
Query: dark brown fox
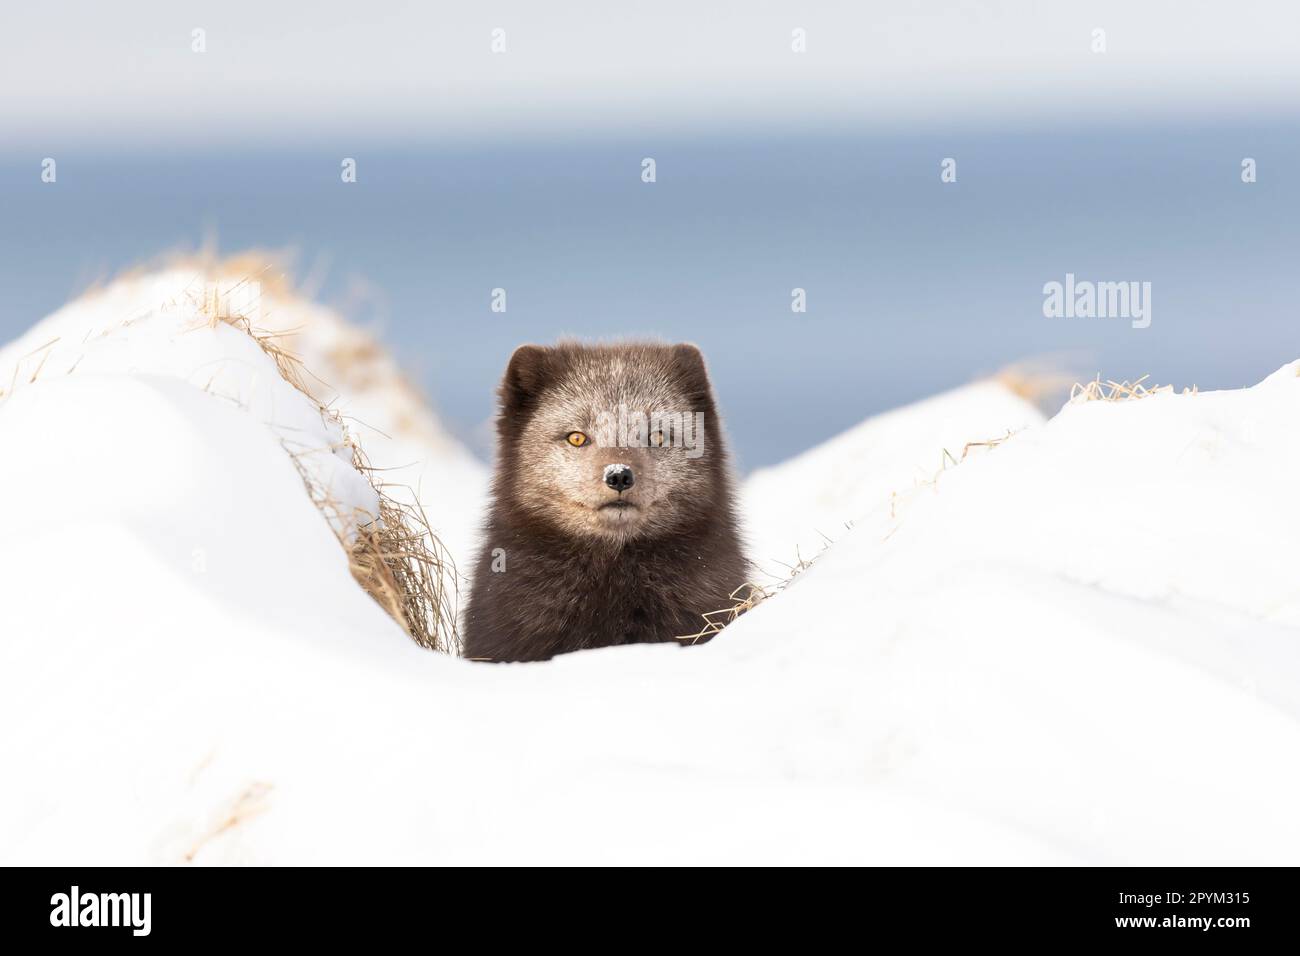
[[613, 517]]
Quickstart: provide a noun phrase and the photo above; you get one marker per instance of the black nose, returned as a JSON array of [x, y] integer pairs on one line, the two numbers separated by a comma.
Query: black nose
[[619, 477]]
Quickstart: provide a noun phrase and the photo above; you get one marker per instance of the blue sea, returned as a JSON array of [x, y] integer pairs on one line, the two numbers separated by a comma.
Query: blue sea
[[912, 285]]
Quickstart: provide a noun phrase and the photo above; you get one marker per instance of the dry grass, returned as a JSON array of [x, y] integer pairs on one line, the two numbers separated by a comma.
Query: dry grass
[[249, 803], [748, 596], [1043, 382], [1112, 391], [950, 459], [400, 562], [43, 352], [744, 598], [395, 556]]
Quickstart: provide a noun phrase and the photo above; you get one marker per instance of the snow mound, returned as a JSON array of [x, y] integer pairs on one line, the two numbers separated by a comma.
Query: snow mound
[[202, 330], [161, 327], [346, 370], [1079, 645], [1089, 630], [353, 373], [795, 509]]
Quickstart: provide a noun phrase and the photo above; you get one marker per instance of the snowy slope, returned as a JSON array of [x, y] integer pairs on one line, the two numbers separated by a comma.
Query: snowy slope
[[794, 509], [1090, 630], [345, 369], [353, 373], [156, 329], [1078, 646]]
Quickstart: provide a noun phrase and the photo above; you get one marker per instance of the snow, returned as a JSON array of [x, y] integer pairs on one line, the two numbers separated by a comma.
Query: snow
[[161, 323], [416, 455], [1076, 646], [798, 507], [156, 327]]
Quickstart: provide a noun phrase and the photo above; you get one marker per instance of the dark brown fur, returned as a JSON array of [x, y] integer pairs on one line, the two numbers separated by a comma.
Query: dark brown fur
[[564, 590]]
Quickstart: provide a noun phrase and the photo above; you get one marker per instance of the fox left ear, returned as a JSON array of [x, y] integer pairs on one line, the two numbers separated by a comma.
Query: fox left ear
[[689, 361], [524, 378]]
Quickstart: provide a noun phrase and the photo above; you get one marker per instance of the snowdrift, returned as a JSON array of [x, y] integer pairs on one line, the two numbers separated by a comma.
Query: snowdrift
[[795, 509], [342, 366], [201, 330], [1074, 644]]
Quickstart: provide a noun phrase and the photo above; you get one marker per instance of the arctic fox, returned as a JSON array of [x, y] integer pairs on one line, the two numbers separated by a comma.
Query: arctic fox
[[612, 518]]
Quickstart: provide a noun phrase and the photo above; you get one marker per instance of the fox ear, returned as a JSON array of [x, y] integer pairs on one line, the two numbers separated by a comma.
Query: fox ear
[[525, 376], [689, 361]]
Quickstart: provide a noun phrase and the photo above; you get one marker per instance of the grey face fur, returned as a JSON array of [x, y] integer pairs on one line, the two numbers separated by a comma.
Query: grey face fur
[[636, 409]]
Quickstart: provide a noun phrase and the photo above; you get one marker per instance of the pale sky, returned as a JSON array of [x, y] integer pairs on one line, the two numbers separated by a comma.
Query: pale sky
[[126, 71]]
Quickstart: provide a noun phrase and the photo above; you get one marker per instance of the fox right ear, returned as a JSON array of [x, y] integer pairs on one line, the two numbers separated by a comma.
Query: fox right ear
[[689, 361], [525, 376]]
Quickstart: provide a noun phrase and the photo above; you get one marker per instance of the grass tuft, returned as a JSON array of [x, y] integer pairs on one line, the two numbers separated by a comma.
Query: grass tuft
[[396, 558], [1126, 391], [744, 598]]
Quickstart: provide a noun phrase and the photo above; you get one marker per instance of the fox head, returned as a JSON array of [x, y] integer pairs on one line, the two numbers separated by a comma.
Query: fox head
[[613, 441]]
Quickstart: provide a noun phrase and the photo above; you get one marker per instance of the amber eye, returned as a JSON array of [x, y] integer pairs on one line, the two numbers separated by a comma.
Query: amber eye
[[657, 439], [577, 439]]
